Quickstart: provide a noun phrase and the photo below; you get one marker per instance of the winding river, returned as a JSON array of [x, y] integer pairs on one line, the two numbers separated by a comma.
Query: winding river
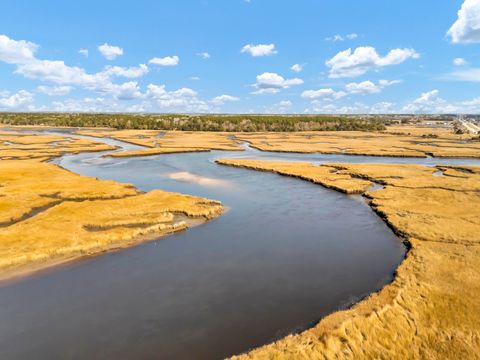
[[284, 255]]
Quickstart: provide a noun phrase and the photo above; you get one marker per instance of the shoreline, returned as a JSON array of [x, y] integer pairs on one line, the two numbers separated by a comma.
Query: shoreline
[[364, 328], [28, 271]]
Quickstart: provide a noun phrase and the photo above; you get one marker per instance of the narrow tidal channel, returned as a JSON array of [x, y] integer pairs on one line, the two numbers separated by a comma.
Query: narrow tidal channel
[[285, 254]]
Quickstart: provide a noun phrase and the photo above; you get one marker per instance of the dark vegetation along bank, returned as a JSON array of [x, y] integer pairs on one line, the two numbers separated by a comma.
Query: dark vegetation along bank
[[248, 123]]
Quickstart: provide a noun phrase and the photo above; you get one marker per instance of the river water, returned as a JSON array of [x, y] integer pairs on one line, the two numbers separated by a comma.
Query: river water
[[284, 255]]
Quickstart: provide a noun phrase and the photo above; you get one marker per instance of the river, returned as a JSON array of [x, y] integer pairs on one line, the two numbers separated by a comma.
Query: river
[[285, 254]]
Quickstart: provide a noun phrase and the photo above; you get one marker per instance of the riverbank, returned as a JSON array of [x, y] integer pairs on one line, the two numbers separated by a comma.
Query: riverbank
[[431, 308]]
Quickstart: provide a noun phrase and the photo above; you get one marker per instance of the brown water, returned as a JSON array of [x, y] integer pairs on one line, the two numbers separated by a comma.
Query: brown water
[[286, 254]]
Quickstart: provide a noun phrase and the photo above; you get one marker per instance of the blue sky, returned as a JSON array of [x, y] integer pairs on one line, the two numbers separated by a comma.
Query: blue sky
[[237, 56]]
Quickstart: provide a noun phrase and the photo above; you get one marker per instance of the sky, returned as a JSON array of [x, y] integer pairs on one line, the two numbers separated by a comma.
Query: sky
[[239, 56]]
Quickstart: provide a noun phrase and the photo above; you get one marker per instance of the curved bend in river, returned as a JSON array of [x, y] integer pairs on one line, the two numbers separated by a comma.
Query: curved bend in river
[[285, 254]]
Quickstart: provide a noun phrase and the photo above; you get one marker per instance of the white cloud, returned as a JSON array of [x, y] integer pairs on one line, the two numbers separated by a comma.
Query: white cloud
[[83, 52], [364, 87], [222, 99], [281, 107], [204, 55], [466, 28], [285, 103], [54, 90], [131, 72], [56, 71], [16, 52], [473, 102], [16, 101], [155, 98], [471, 75], [385, 83], [259, 50], [459, 62], [194, 78], [355, 108], [324, 94], [126, 91], [271, 83], [427, 102], [89, 104], [59, 73], [322, 99], [339, 37], [165, 61], [363, 59], [181, 100], [110, 52], [368, 87], [296, 68]]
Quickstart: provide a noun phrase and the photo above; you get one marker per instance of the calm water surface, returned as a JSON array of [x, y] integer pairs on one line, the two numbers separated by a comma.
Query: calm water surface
[[286, 253]]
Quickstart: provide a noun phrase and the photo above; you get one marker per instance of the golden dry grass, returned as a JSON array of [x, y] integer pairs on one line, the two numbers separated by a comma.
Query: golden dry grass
[[154, 151], [28, 185], [199, 140], [49, 215], [393, 142], [401, 141], [148, 138], [167, 142], [324, 175], [16, 145], [431, 310], [72, 228]]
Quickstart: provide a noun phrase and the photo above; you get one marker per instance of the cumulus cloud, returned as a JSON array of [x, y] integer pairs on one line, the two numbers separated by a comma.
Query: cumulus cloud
[[427, 102], [88, 104], [55, 71], [21, 53], [54, 90], [204, 55], [431, 103], [16, 101], [466, 29], [65, 77], [355, 108], [363, 88], [339, 37], [459, 62], [285, 103], [363, 59], [271, 83], [324, 94], [368, 87], [130, 72], [296, 68], [259, 50], [281, 107], [165, 61], [110, 52], [16, 52], [83, 52], [126, 91], [222, 99], [60, 73], [181, 100]]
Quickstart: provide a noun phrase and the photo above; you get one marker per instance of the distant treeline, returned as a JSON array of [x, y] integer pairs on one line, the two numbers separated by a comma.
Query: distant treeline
[[247, 123]]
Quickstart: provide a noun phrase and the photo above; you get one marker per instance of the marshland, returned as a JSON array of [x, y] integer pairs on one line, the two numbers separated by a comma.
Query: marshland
[[174, 244]]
